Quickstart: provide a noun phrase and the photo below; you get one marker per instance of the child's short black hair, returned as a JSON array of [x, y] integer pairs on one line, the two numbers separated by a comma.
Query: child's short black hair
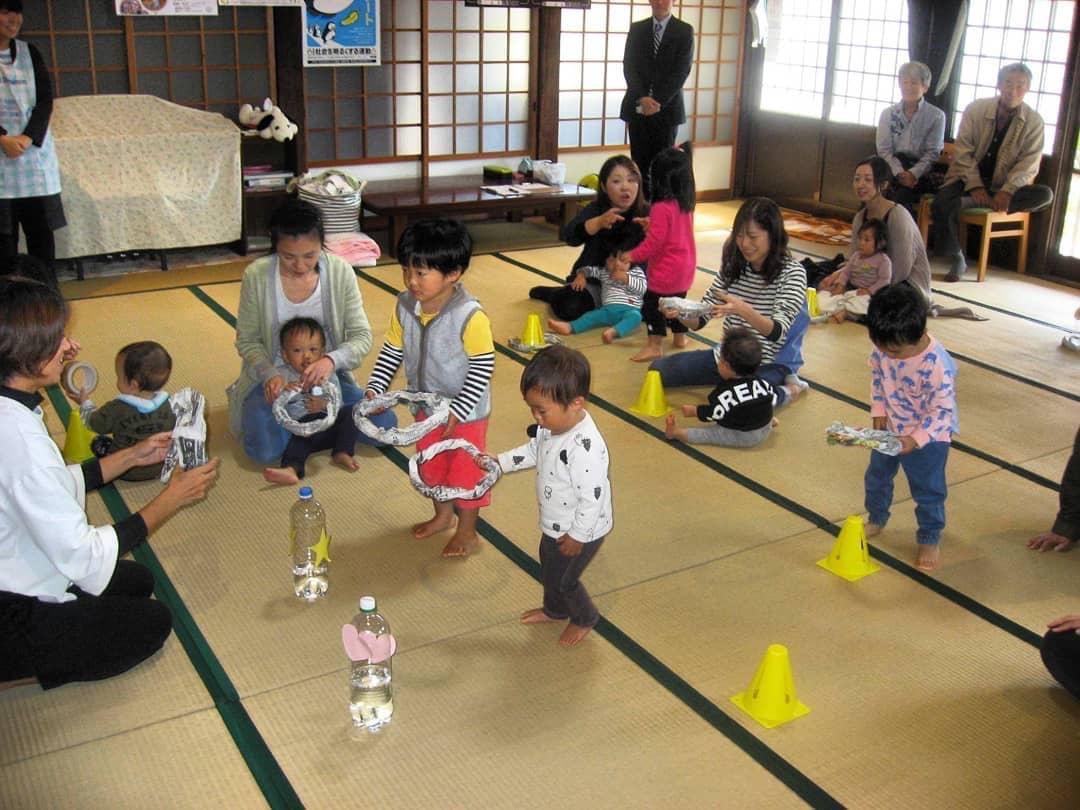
[[437, 244], [301, 326], [558, 372], [877, 228], [621, 237], [897, 316], [296, 218], [145, 363], [742, 351]]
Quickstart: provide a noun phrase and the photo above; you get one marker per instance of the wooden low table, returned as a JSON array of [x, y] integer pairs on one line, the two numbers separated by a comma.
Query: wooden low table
[[397, 200]]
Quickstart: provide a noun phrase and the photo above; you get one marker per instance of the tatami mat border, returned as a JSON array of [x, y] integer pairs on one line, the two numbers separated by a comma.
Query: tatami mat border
[[784, 771], [264, 768], [817, 386]]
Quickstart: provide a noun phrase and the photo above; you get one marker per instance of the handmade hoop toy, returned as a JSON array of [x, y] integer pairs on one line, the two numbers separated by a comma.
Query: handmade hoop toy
[[687, 309], [436, 406], [332, 395], [89, 377], [443, 493], [518, 345], [883, 441]]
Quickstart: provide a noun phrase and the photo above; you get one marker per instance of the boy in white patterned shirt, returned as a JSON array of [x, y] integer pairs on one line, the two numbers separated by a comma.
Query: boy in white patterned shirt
[[572, 486]]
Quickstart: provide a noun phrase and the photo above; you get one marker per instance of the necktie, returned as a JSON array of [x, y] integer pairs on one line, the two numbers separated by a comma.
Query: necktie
[[657, 32]]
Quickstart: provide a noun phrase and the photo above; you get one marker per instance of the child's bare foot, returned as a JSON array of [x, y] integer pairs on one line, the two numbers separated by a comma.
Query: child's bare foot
[[839, 316], [609, 335], [439, 523], [871, 530], [536, 616], [345, 461], [671, 431], [462, 544], [572, 635], [559, 327], [281, 475], [678, 340], [647, 355], [928, 557]]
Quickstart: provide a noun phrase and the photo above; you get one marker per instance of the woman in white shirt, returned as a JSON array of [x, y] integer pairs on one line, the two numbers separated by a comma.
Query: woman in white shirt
[[70, 608]]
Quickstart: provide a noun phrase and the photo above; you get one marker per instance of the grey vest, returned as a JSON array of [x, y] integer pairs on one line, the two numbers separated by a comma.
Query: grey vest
[[435, 358]]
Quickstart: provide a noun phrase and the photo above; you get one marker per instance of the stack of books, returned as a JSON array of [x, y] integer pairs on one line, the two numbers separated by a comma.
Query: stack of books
[[265, 178]]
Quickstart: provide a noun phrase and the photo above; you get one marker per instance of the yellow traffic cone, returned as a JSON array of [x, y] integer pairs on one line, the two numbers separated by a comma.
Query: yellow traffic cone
[[850, 556], [651, 400], [533, 334], [77, 441], [770, 699], [811, 303]]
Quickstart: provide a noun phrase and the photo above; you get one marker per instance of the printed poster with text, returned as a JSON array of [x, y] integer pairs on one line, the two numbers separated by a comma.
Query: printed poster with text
[[341, 32], [176, 8]]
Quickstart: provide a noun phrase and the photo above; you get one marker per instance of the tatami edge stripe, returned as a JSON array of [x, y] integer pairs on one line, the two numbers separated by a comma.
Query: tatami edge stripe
[[1002, 310], [249, 742], [832, 392], [179, 285], [218, 309], [1015, 377], [820, 521], [785, 772]]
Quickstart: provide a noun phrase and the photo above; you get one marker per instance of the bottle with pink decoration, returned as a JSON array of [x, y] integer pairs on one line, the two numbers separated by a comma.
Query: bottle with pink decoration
[[370, 647]]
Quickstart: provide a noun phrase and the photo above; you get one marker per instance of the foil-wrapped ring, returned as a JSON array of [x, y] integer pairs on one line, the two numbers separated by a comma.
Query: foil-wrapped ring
[[330, 393], [89, 377], [442, 493], [435, 406]]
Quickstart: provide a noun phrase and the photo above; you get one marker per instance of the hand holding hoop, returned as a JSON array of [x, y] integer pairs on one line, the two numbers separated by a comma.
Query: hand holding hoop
[[443, 493], [435, 406], [89, 379], [330, 393]]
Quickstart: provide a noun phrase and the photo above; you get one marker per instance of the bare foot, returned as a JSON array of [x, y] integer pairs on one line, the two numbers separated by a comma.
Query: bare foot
[[609, 335], [439, 523], [647, 354], [678, 340], [872, 530], [559, 327], [671, 431], [839, 316], [928, 557], [281, 475], [345, 461], [461, 545], [572, 635], [536, 616], [775, 422]]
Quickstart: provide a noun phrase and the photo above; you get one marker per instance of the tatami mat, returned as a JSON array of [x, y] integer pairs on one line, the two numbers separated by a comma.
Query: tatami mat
[[922, 694]]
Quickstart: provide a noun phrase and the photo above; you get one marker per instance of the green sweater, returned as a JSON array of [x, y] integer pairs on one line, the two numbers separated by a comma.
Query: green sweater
[[348, 333]]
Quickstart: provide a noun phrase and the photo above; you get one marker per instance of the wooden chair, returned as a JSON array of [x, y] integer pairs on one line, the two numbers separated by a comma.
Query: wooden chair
[[1014, 225]]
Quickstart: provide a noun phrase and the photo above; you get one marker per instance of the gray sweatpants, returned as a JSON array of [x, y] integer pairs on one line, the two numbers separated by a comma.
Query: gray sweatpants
[[726, 437]]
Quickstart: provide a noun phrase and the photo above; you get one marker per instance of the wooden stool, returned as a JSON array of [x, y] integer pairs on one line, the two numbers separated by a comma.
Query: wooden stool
[[1014, 225]]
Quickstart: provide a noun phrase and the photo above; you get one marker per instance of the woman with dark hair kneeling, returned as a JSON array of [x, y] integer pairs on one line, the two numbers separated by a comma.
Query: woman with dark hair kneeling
[[761, 288], [70, 608]]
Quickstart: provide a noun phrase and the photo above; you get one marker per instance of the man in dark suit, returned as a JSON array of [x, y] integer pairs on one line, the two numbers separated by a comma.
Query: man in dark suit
[[659, 53]]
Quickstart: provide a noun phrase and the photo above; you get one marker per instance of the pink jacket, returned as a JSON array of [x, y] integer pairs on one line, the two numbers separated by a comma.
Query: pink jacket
[[669, 249]]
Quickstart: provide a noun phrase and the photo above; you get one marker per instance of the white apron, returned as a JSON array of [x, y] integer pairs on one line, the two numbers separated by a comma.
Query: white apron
[[36, 173]]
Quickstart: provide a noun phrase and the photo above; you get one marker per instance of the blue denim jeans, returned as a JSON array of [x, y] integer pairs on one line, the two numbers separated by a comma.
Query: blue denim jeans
[[265, 439], [925, 471], [699, 368]]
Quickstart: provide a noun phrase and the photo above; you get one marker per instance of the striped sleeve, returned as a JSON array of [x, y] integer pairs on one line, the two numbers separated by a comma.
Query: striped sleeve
[[480, 347], [386, 366]]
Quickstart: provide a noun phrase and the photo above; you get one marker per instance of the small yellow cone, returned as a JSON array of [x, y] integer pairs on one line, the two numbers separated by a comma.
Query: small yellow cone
[[651, 400], [811, 302], [77, 442], [770, 699], [850, 556], [533, 334]]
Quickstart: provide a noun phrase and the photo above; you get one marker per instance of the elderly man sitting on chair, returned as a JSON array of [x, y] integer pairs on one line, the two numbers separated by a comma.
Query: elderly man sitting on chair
[[998, 150]]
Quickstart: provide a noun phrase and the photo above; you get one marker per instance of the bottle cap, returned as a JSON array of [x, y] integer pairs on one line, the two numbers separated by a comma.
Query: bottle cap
[[305, 492], [367, 603]]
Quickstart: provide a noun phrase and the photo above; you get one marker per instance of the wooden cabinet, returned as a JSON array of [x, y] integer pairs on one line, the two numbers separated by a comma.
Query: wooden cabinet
[[258, 204]]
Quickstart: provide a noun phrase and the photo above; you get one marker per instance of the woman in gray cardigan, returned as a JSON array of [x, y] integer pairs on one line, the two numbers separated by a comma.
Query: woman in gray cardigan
[[297, 279]]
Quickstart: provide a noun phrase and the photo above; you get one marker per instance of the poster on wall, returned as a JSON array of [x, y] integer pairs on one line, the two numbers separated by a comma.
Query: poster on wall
[[176, 8], [341, 32], [293, 3]]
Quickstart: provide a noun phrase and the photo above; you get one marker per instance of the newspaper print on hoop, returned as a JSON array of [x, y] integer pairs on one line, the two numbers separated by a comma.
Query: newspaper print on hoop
[[188, 447], [883, 441], [442, 493], [280, 408], [435, 406]]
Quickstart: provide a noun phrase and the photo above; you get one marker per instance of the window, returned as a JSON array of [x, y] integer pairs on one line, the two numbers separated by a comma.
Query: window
[[212, 63], [796, 53], [591, 83], [1035, 32], [871, 45]]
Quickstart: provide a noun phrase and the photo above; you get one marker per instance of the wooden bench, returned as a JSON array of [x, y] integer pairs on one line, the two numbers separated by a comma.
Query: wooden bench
[[397, 200]]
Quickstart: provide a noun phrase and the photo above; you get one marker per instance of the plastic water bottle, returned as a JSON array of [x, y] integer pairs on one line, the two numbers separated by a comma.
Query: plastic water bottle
[[308, 545], [371, 694]]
